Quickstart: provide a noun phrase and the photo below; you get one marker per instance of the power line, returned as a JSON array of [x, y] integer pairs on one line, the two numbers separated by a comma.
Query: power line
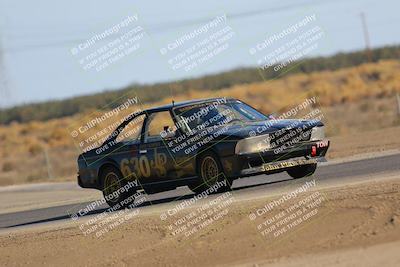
[[163, 27]]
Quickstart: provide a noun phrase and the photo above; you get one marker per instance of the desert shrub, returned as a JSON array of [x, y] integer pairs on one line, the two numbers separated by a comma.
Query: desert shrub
[[35, 148], [8, 166], [32, 178], [152, 93], [58, 134], [365, 106]]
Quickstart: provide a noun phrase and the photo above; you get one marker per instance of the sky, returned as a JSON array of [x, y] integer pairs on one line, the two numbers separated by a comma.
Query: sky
[[45, 47]]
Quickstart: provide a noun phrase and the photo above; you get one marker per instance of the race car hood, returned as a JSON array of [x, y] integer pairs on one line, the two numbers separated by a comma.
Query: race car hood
[[250, 129]]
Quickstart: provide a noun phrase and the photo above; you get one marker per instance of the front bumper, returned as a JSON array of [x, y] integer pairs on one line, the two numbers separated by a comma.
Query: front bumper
[[280, 165], [273, 161]]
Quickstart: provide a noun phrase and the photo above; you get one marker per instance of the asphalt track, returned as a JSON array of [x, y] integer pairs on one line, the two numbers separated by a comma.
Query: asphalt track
[[256, 185]]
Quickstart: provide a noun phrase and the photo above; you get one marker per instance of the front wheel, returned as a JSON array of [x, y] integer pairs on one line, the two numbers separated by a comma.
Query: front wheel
[[210, 175], [302, 171]]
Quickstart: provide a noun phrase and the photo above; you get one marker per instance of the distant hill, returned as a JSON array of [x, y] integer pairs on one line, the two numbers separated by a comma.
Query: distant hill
[[155, 92], [350, 101]]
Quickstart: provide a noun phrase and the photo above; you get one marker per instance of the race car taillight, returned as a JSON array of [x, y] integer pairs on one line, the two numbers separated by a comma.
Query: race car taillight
[[313, 151]]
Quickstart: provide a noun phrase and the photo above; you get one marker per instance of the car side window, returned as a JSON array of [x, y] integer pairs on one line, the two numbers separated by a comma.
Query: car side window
[[132, 130], [157, 123]]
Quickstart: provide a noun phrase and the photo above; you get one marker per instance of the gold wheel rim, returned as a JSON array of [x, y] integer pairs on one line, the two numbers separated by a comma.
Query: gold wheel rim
[[111, 184], [209, 171]]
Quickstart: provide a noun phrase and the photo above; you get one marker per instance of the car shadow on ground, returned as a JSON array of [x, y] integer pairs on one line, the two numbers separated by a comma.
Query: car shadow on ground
[[70, 210]]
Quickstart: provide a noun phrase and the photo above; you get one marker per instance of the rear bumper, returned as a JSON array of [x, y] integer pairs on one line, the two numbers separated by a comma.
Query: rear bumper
[[79, 181], [87, 179]]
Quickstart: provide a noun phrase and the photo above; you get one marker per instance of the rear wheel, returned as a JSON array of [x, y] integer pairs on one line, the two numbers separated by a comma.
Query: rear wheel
[[302, 171], [210, 174], [113, 192]]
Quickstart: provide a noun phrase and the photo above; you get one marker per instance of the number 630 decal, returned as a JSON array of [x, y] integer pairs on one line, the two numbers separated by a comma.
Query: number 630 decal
[[141, 167], [136, 166]]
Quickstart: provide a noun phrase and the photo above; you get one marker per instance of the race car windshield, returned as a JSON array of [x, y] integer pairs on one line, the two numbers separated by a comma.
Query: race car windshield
[[210, 114]]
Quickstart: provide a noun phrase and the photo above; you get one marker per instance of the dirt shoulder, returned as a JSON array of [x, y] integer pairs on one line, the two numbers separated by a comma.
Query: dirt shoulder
[[367, 142], [349, 219], [385, 254]]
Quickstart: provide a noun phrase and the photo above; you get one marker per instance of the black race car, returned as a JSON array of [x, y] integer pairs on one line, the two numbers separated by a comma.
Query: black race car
[[203, 144]]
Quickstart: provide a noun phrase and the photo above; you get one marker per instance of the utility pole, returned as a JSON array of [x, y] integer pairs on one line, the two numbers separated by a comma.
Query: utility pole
[[48, 165], [366, 37], [398, 103], [3, 79]]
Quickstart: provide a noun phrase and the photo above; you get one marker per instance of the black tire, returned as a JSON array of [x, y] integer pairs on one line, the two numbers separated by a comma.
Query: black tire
[[209, 172], [112, 181], [302, 171]]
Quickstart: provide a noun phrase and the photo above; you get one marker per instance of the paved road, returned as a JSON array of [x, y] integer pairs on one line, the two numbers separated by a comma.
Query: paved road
[[256, 185]]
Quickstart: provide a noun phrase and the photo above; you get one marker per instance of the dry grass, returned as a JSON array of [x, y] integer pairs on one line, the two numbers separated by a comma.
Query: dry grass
[[352, 100]]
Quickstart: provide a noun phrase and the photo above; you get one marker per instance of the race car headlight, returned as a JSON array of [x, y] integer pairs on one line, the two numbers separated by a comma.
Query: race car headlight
[[317, 133], [253, 145]]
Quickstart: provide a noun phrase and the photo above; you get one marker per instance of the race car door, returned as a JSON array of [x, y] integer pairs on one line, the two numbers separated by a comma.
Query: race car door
[[126, 150], [155, 161]]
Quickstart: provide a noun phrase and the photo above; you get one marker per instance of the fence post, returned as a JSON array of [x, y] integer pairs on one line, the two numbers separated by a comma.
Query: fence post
[[49, 173], [398, 103]]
